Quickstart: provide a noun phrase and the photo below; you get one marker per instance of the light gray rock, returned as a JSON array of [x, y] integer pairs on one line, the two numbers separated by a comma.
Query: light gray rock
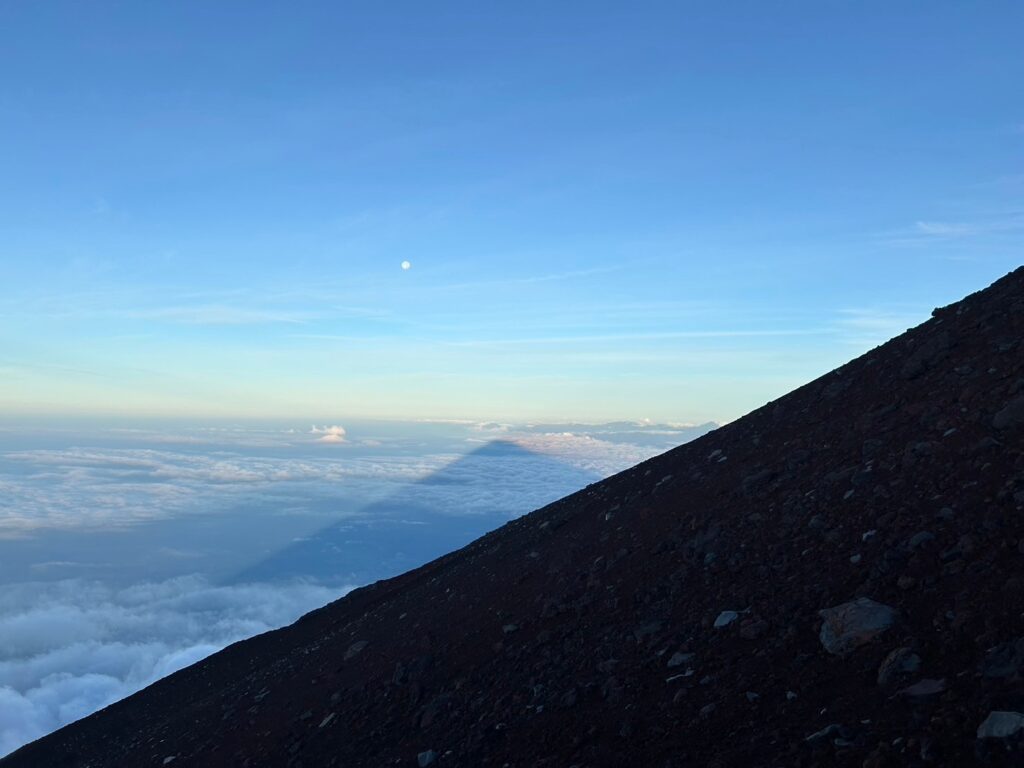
[[424, 759], [824, 733], [1001, 725], [851, 625], [678, 659], [725, 618]]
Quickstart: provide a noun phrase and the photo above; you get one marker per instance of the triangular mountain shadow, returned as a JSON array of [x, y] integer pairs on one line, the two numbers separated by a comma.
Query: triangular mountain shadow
[[407, 530]]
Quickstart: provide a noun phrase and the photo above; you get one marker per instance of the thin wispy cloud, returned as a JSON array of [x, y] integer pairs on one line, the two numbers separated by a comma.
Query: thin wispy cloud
[[544, 277], [943, 229], [641, 336], [945, 232], [220, 315]]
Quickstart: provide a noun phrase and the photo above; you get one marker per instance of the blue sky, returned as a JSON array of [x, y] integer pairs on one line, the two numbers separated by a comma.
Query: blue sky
[[674, 211]]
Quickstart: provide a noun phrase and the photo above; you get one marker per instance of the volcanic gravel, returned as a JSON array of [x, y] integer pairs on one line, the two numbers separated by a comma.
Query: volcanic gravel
[[835, 579]]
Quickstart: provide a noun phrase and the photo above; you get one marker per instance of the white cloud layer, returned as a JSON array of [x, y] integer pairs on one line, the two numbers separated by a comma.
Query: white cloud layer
[[69, 648], [107, 488], [113, 487]]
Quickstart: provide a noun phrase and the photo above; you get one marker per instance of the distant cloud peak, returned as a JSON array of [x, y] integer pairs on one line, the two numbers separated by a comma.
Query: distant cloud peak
[[332, 434]]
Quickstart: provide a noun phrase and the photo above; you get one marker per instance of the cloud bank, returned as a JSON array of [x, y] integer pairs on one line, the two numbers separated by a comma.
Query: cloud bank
[[69, 648], [105, 487]]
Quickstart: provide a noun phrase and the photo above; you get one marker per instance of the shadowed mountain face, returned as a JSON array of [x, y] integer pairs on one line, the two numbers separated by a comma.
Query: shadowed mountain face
[[834, 579], [409, 528]]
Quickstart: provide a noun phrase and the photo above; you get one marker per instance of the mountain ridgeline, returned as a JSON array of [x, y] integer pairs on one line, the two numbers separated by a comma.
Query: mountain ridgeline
[[835, 579]]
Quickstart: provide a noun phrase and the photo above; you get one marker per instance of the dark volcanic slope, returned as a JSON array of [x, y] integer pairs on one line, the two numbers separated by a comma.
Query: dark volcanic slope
[[585, 633]]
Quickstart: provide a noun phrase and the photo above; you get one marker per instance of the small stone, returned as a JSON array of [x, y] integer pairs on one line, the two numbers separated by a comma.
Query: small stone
[[1001, 725], [169, 759], [985, 445], [897, 664], [855, 559], [1005, 660], [707, 709], [824, 733], [647, 630], [355, 649], [930, 352], [926, 687], [790, 696], [424, 759], [1011, 416], [967, 544], [906, 582], [919, 538], [752, 697], [725, 618], [751, 629], [678, 659]]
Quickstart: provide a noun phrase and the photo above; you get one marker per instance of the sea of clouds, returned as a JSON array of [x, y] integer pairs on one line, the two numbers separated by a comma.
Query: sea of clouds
[[77, 635], [68, 648]]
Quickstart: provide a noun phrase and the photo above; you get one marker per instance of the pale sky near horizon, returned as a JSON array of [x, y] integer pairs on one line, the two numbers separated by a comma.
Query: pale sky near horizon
[[665, 210]]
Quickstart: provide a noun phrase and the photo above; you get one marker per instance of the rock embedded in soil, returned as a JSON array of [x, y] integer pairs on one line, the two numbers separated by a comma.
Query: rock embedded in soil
[[850, 625]]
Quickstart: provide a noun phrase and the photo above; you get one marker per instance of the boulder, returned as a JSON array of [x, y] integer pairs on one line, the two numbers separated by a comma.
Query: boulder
[[851, 625]]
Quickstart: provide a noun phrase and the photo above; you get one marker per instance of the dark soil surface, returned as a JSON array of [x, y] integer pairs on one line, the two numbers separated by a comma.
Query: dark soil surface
[[596, 632]]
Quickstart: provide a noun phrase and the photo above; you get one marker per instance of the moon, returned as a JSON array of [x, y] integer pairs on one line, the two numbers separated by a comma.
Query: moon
[[406, 265]]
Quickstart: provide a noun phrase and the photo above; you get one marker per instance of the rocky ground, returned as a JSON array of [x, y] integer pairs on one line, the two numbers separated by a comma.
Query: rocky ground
[[834, 579]]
